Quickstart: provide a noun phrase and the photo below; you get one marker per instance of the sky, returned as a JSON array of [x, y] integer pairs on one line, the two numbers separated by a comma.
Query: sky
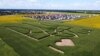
[[51, 4]]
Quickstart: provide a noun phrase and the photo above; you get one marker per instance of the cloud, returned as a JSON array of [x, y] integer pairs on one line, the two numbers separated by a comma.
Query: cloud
[[50, 4], [17, 3], [76, 5], [97, 3]]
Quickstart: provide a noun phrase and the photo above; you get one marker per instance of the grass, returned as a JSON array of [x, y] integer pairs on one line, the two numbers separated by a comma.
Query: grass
[[17, 44]]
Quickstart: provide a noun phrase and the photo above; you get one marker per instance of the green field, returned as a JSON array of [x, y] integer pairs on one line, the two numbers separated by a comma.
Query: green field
[[33, 38]]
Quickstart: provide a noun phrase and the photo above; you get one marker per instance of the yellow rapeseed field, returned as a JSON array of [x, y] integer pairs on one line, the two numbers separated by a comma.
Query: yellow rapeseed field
[[93, 22], [11, 18]]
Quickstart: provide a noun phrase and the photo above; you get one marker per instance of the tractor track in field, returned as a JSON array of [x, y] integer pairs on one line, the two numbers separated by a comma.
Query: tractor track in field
[[23, 34], [76, 35], [48, 34], [38, 28], [30, 31]]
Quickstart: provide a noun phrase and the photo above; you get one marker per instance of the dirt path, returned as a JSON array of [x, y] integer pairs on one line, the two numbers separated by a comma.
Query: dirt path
[[76, 35], [43, 31], [0, 38], [23, 34], [55, 49]]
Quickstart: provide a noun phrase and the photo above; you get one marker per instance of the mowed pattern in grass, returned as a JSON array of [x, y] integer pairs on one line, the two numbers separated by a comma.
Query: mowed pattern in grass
[[6, 50], [19, 36], [93, 22], [10, 18]]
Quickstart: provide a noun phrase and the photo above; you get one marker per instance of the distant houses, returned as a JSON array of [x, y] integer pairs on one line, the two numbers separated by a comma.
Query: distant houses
[[43, 15], [55, 16]]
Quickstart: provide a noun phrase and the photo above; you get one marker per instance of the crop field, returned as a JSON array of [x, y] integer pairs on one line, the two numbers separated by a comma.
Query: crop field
[[93, 22], [11, 18], [31, 37]]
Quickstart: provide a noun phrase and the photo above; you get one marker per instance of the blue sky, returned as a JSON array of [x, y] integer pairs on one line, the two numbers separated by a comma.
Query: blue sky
[[51, 4]]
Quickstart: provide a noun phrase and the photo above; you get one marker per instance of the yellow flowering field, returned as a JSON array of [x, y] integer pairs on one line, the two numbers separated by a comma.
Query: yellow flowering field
[[11, 18], [93, 22]]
